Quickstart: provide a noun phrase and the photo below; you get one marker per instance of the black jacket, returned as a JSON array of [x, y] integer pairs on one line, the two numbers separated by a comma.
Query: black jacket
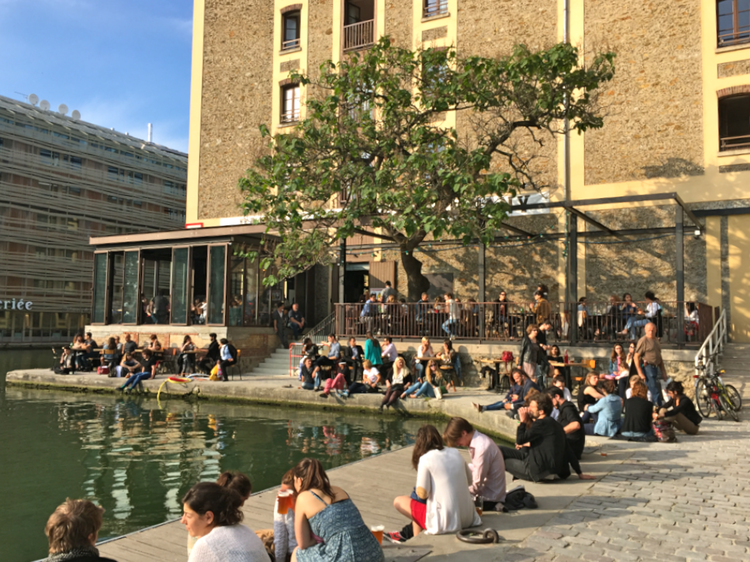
[[568, 414], [550, 452], [213, 351], [637, 415], [348, 355], [686, 408]]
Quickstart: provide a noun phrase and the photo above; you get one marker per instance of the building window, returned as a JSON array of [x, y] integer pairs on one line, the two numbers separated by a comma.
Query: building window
[[733, 22], [290, 103], [359, 24], [435, 8], [291, 30], [734, 122]]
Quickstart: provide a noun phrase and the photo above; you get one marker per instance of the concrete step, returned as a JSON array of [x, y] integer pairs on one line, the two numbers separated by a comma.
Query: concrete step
[[269, 372]]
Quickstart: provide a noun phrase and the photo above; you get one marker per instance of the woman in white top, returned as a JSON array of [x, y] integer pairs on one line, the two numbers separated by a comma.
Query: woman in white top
[[424, 350], [394, 387], [443, 480], [212, 514]]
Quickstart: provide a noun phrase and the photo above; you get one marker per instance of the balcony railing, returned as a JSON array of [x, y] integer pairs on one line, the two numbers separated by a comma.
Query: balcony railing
[[599, 322], [359, 35], [290, 44], [742, 35], [731, 143], [434, 8]]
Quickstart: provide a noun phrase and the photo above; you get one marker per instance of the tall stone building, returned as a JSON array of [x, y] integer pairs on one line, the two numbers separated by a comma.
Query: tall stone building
[[677, 120]]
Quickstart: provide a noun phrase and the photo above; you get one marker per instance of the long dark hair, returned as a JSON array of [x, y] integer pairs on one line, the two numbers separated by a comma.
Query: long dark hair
[[428, 438], [312, 474], [224, 503], [236, 481]]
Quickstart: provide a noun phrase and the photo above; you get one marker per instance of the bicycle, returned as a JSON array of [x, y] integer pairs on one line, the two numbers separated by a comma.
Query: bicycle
[[712, 395]]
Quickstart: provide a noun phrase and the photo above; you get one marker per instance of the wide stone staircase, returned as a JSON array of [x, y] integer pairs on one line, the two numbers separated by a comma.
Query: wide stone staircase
[[735, 360], [276, 364]]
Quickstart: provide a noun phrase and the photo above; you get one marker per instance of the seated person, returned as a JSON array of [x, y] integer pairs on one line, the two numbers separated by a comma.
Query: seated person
[[443, 480], [542, 448], [608, 410], [331, 360], [154, 344], [227, 357], [638, 413], [129, 346], [424, 350], [448, 356], [430, 386], [353, 355], [389, 354], [128, 366], [514, 399], [309, 374], [588, 396], [395, 387], [66, 364], [370, 379], [296, 321], [90, 345], [108, 355], [487, 465], [558, 381], [186, 360], [72, 531], [570, 420], [147, 371], [213, 354], [631, 382], [680, 410]]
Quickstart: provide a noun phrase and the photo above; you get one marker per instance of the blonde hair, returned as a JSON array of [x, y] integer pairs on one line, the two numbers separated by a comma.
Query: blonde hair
[[366, 364], [72, 524], [633, 379]]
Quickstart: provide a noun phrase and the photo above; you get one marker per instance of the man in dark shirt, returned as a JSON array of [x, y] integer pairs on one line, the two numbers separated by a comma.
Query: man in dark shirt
[[515, 394], [570, 420], [129, 346], [353, 355], [541, 448], [212, 355], [296, 321], [309, 375], [91, 355], [279, 324]]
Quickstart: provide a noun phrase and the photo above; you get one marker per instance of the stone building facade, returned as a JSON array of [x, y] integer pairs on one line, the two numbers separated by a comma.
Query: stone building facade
[[676, 115]]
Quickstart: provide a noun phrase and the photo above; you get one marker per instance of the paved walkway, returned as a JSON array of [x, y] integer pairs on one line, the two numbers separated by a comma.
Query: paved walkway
[[684, 501]]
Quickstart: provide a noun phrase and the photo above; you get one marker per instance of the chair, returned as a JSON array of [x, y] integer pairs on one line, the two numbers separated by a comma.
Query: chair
[[235, 364]]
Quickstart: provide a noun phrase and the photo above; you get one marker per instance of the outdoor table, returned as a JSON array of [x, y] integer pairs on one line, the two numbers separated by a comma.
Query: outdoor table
[[497, 377]]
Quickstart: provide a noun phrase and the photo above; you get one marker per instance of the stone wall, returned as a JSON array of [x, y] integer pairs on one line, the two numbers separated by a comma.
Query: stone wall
[[320, 34], [237, 89], [398, 22], [647, 264], [653, 110], [494, 34]]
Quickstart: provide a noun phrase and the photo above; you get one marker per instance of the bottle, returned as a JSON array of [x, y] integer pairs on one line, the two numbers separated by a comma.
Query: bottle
[[565, 357]]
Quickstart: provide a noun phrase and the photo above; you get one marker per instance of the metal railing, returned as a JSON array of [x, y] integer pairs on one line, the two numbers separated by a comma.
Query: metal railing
[[358, 35], [730, 143], [712, 346], [741, 35], [434, 8], [290, 44], [596, 322], [317, 334]]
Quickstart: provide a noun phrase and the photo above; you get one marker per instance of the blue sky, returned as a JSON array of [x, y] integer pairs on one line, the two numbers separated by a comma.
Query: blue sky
[[121, 63]]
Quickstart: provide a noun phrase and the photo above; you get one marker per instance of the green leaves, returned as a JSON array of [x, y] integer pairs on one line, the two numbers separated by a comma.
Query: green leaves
[[373, 152]]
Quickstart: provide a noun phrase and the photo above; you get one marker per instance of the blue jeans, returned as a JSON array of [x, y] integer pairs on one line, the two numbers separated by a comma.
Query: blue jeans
[[422, 389], [136, 379], [634, 324], [311, 386], [635, 434], [419, 368], [653, 373], [448, 326], [496, 406]]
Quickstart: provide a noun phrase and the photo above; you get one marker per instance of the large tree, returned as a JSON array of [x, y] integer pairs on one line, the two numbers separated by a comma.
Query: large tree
[[372, 156]]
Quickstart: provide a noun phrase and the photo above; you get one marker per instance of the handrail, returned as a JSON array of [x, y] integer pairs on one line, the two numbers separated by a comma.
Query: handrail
[[318, 332], [714, 345]]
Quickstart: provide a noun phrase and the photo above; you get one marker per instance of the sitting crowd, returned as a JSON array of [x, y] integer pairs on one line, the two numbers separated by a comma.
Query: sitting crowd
[[315, 520], [625, 401], [352, 369]]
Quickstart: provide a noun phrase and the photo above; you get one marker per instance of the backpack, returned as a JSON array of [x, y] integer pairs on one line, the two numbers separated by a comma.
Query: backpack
[[664, 431]]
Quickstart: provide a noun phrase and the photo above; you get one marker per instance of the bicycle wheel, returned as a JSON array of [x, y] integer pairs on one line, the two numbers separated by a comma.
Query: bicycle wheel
[[703, 398], [728, 407], [733, 396]]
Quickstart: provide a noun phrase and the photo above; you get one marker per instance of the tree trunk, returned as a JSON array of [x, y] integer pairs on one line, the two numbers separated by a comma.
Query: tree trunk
[[417, 283]]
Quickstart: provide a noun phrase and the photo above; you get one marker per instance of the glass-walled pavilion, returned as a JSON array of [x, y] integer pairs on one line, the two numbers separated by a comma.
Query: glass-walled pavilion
[[183, 278]]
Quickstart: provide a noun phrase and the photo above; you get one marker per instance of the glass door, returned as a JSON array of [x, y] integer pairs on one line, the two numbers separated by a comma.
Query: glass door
[[180, 294]]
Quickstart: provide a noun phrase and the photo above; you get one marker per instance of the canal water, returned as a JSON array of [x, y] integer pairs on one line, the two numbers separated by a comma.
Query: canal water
[[137, 459]]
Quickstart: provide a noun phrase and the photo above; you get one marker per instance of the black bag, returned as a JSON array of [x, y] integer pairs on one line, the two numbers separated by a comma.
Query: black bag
[[519, 498], [59, 370]]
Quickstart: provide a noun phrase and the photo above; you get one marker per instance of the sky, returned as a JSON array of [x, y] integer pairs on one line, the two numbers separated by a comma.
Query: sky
[[121, 63]]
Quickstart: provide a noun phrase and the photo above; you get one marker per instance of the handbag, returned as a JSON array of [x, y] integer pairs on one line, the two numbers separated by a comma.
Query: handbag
[[664, 431], [102, 370], [507, 357]]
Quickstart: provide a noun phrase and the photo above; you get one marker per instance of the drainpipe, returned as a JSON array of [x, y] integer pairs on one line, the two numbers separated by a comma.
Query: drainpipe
[[569, 297]]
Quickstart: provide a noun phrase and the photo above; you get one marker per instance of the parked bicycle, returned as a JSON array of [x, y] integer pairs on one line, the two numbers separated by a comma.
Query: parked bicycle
[[713, 396]]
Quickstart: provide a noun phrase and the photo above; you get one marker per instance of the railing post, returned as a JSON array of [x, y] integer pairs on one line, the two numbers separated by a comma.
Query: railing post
[[679, 233]]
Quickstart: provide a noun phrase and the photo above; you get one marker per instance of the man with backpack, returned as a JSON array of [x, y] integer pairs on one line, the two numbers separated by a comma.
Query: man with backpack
[[228, 357]]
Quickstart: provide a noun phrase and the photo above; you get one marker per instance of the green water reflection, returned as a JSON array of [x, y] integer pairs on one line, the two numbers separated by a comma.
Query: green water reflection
[[137, 460]]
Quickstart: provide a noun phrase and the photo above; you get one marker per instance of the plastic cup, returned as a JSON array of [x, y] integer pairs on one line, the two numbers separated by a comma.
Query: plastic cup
[[378, 532], [283, 500], [479, 505]]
